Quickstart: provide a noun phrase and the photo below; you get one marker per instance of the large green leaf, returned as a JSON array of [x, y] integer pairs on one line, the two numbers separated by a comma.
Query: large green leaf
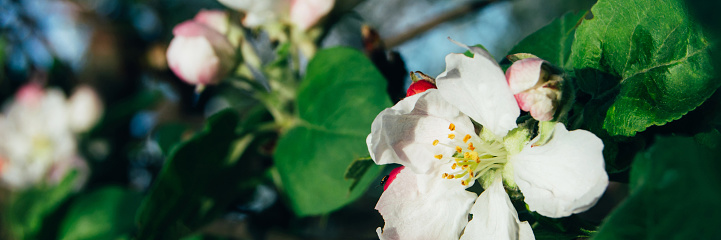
[[552, 42], [169, 135], [674, 194], [106, 213], [200, 179], [645, 63], [340, 96]]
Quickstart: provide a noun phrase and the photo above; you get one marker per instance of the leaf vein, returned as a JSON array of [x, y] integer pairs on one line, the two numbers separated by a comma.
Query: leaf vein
[[666, 64]]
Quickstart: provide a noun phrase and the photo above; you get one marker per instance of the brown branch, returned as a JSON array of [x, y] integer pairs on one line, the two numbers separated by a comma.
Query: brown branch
[[447, 16]]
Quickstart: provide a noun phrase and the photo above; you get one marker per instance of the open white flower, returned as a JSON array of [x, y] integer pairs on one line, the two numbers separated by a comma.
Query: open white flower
[[432, 135], [37, 134]]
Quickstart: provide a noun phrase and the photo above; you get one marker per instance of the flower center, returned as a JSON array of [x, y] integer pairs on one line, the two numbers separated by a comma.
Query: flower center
[[42, 148], [473, 157]]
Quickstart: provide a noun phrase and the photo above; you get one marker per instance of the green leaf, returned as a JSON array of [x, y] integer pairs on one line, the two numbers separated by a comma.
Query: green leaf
[[169, 135], [106, 213], [469, 54], [357, 169], [673, 194], [200, 179], [29, 208], [644, 62], [552, 42], [340, 96], [710, 139]]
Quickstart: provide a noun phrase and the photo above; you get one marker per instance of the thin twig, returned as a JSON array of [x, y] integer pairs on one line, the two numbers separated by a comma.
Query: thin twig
[[444, 17]]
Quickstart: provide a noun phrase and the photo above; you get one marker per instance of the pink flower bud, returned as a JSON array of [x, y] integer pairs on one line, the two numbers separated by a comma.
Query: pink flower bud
[[200, 55], [30, 94], [215, 19], [392, 176], [536, 89], [306, 13], [419, 87]]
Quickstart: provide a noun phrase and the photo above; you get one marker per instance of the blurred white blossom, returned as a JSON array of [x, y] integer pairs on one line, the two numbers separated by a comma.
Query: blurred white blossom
[[38, 134], [302, 13]]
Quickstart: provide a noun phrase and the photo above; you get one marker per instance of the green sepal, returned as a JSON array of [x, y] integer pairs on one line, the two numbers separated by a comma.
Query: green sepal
[[545, 132]]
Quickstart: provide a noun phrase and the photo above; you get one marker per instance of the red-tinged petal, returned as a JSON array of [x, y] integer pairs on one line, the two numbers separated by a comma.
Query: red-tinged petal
[[419, 87], [392, 176]]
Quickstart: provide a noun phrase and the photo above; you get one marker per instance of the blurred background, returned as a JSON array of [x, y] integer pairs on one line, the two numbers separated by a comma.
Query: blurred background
[[118, 47]]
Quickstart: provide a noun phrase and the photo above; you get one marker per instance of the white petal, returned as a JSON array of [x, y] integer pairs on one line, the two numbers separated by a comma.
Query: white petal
[[524, 74], [404, 133], [305, 13], [409, 212], [84, 109], [478, 87], [525, 232], [564, 176], [379, 231], [495, 218], [240, 5]]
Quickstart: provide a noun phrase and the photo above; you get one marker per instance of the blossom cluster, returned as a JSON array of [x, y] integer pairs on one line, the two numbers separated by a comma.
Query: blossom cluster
[[205, 49], [38, 134], [461, 128]]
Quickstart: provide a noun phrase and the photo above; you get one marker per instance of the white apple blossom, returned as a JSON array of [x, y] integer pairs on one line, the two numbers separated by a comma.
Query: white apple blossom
[[37, 134], [301, 13], [432, 135]]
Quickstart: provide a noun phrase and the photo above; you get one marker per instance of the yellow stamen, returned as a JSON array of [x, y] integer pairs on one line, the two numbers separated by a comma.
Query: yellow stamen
[[472, 174], [445, 175], [452, 127], [439, 156], [459, 149], [473, 155], [471, 147], [466, 138], [450, 176], [454, 166], [463, 182], [451, 136], [435, 142]]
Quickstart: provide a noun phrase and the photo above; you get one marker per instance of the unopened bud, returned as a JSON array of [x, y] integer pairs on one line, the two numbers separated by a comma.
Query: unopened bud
[[30, 94], [537, 87], [421, 84], [199, 54]]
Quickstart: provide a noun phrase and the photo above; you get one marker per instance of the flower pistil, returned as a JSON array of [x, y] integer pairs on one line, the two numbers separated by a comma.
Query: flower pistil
[[473, 157]]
